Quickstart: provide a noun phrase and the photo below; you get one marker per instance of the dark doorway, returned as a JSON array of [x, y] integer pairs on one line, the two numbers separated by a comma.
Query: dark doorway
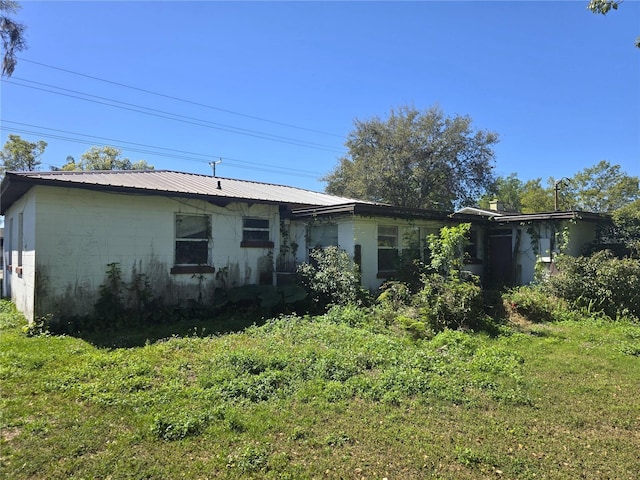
[[501, 259]]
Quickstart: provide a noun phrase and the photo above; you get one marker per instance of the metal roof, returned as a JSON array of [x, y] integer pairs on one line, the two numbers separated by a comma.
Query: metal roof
[[166, 182]]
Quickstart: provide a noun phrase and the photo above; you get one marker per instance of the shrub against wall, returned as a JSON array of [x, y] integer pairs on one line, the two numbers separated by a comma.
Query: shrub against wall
[[331, 278], [599, 283]]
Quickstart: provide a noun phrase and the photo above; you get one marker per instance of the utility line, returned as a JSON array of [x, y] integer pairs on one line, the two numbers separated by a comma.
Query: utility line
[[178, 99], [176, 117], [243, 163]]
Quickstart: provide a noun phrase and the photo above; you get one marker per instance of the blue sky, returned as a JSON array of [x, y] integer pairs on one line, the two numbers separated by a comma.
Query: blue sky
[[273, 88]]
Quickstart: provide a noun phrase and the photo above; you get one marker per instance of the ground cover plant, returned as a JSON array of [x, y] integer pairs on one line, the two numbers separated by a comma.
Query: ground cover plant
[[347, 394]]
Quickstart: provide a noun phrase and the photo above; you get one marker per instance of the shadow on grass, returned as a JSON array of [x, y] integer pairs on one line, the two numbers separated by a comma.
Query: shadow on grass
[[136, 334]]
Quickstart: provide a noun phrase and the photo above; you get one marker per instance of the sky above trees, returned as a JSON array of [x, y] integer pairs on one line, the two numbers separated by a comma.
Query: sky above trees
[[274, 88]]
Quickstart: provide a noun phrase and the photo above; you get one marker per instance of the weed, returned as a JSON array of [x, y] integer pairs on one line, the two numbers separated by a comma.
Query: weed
[[250, 459], [178, 425]]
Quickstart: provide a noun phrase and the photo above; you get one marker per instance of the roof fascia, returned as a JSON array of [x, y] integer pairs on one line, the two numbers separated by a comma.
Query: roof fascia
[[543, 217], [389, 211]]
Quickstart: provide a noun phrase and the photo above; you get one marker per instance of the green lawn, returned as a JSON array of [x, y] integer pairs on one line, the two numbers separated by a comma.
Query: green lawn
[[322, 398]]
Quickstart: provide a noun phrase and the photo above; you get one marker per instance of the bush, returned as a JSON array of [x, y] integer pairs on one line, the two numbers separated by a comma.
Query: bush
[[332, 278], [535, 304], [599, 283], [450, 303]]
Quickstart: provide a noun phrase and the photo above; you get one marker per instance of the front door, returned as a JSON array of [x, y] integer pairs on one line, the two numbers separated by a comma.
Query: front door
[[501, 259]]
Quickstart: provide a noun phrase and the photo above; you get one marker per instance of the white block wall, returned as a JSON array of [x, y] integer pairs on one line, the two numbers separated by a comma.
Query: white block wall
[[73, 234]]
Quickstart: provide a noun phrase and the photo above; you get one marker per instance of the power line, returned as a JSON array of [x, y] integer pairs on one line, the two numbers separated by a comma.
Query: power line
[[174, 117], [174, 153], [178, 99]]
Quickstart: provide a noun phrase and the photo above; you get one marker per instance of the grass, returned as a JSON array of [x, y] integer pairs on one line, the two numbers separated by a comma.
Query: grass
[[319, 398]]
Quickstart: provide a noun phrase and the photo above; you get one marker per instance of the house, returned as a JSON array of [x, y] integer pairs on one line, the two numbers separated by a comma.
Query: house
[[189, 235], [518, 245]]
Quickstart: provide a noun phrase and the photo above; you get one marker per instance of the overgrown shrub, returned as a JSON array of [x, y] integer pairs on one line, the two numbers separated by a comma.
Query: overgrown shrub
[[599, 283], [536, 304], [331, 278], [450, 303]]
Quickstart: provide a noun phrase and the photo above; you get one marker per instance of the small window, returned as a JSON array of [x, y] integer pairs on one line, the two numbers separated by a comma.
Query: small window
[[544, 255], [20, 238], [387, 248], [9, 246], [256, 233], [192, 239], [471, 250]]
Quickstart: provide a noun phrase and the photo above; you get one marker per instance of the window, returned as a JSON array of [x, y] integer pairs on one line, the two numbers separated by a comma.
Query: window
[[387, 248], [411, 243], [471, 250], [544, 255], [192, 239], [20, 241], [9, 246], [323, 235], [256, 233]]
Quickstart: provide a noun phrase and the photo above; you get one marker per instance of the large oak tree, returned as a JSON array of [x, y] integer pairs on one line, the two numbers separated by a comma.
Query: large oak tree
[[415, 159]]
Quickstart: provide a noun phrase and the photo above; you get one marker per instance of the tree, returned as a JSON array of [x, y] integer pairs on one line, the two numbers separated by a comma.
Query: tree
[[536, 198], [603, 188], [604, 6], [20, 155], [415, 159], [104, 158], [507, 190], [627, 222], [12, 34]]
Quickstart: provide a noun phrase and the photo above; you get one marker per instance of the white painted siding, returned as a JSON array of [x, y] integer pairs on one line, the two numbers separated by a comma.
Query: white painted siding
[[80, 232], [579, 234], [19, 273]]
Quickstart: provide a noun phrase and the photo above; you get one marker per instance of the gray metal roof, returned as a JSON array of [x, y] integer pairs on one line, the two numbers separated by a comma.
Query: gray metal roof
[[166, 182]]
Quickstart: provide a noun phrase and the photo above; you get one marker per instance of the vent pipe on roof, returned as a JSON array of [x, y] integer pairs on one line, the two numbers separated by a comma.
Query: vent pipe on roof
[[219, 185]]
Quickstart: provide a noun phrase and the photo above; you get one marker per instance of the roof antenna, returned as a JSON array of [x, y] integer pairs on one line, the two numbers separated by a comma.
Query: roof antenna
[[213, 165]]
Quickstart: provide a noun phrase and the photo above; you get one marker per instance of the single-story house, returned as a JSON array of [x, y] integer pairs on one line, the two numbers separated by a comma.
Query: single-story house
[[191, 234], [518, 245]]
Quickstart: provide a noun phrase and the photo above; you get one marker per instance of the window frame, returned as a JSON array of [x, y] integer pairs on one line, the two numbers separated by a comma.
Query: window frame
[[8, 245], [472, 249], [20, 242], [394, 247], [184, 267], [249, 231]]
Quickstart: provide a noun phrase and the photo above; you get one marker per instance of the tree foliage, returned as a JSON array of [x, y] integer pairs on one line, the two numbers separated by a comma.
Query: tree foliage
[[507, 190], [448, 249], [12, 34], [21, 155], [603, 7], [627, 224], [602, 188], [536, 198], [104, 158], [415, 159]]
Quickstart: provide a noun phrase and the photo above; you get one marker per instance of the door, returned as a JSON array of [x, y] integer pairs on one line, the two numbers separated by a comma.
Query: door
[[501, 259]]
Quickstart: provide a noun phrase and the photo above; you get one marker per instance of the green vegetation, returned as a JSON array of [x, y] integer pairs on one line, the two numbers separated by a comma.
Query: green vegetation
[[351, 393]]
